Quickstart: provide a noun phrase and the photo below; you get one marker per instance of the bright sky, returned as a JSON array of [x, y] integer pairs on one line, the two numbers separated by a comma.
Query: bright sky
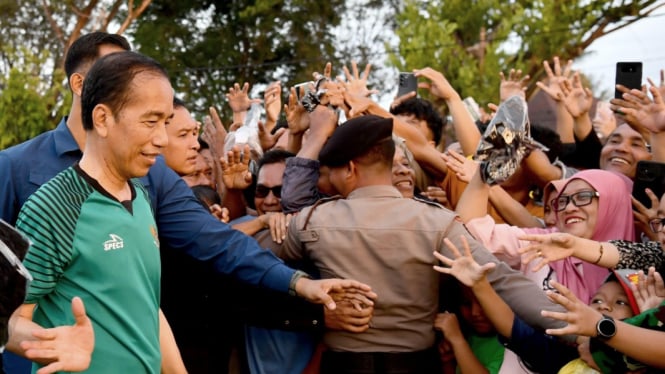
[[639, 42]]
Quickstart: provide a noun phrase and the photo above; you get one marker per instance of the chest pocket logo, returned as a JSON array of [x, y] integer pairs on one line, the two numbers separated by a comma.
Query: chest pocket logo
[[115, 242]]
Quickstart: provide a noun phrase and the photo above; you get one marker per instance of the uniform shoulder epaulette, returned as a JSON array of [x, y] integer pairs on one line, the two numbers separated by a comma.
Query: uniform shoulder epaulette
[[427, 201], [316, 204]]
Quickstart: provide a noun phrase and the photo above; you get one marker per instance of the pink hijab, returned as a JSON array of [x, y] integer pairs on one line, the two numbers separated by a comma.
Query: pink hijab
[[614, 222]]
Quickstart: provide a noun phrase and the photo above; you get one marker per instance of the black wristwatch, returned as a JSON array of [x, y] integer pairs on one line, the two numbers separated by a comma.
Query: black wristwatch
[[606, 328]]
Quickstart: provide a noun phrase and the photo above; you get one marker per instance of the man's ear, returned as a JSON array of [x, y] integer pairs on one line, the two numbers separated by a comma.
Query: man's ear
[[76, 83], [101, 119]]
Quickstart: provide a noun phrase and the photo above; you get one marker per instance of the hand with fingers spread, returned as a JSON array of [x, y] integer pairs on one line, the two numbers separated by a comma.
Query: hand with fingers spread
[[238, 98], [464, 268], [639, 111], [515, 85], [296, 115], [235, 168], [464, 168], [555, 78], [438, 85], [327, 72], [576, 98], [649, 291], [63, 348], [547, 248], [581, 318], [356, 84], [272, 102]]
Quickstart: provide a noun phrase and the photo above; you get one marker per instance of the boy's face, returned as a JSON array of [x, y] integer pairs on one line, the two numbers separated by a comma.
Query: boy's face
[[473, 313], [610, 299]]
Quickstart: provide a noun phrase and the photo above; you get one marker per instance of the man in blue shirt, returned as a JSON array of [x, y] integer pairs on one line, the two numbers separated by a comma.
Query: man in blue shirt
[[183, 225]]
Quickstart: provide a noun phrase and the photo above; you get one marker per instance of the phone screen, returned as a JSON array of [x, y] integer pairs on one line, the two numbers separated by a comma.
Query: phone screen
[[628, 74], [407, 83]]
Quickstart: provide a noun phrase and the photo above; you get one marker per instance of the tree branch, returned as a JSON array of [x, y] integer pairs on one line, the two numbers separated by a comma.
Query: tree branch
[[54, 26], [111, 14], [132, 14]]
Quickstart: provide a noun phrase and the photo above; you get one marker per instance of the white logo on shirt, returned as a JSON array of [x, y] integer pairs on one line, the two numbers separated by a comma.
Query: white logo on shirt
[[116, 242]]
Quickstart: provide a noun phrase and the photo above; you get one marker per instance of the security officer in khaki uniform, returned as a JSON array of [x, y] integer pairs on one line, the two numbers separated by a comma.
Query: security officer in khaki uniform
[[379, 238]]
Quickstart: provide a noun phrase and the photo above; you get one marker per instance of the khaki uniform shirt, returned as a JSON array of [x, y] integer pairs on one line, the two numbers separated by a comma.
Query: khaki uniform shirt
[[379, 238]]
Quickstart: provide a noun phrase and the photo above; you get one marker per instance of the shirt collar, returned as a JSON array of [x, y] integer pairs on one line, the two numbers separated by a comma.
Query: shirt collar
[[64, 140], [375, 191]]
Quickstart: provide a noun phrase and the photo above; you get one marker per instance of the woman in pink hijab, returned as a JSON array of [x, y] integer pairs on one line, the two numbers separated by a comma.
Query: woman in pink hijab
[[592, 204]]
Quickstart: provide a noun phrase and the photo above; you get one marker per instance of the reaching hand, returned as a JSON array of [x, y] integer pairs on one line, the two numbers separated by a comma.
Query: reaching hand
[[464, 268], [554, 79], [296, 115], [235, 170], [547, 248], [576, 98], [66, 348], [400, 99], [322, 291], [438, 85], [464, 168], [356, 84], [327, 71], [581, 318], [214, 132], [266, 139], [437, 194], [358, 104], [515, 85], [238, 98], [643, 214], [639, 111], [348, 316], [448, 324], [278, 223], [272, 102], [650, 290], [221, 213]]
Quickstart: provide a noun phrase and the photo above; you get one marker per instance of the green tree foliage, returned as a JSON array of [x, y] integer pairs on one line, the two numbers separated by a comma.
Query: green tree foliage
[[207, 45], [472, 41], [28, 106]]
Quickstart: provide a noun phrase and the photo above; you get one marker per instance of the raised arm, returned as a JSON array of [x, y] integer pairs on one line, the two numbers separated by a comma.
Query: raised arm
[[564, 121]]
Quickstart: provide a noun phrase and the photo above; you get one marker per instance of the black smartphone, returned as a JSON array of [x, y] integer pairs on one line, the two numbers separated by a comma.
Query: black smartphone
[[629, 74], [651, 175], [407, 83]]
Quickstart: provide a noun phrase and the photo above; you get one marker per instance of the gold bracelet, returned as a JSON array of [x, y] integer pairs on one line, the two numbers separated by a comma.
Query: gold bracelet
[[599, 256]]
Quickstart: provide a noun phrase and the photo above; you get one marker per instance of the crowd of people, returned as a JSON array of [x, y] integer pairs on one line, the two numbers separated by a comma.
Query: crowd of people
[[328, 234]]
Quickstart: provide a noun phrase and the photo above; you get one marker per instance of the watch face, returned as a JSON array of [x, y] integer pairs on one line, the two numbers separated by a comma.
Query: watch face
[[606, 327]]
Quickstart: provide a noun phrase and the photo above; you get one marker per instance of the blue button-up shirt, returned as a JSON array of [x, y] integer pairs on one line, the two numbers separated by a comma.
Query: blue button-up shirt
[[182, 222]]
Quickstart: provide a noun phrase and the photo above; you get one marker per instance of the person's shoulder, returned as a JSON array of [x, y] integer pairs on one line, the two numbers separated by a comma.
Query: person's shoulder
[[26, 151], [424, 200]]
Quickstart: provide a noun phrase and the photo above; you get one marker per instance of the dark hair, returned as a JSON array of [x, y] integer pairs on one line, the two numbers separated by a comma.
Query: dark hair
[[274, 156], [549, 138], [206, 196], [178, 103], [203, 144], [424, 111], [380, 153], [85, 50], [109, 81]]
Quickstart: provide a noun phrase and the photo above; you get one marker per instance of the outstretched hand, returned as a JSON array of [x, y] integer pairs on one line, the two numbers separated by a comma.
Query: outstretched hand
[[66, 348], [464, 268], [649, 291], [322, 291], [438, 85], [581, 318], [356, 84], [464, 168], [515, 85], [547, 248], [555, 78], [235, 170], [639, 111], [238, 98], [576, 98]]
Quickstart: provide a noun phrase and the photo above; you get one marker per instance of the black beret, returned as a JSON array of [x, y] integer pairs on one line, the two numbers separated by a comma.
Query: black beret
[[353, 138]]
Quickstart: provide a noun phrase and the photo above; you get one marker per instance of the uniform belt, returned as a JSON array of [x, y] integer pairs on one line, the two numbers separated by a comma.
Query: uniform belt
[[421, 362]]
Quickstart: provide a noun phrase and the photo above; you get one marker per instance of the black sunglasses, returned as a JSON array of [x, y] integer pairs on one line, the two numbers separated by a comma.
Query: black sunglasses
[[263, 191]]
